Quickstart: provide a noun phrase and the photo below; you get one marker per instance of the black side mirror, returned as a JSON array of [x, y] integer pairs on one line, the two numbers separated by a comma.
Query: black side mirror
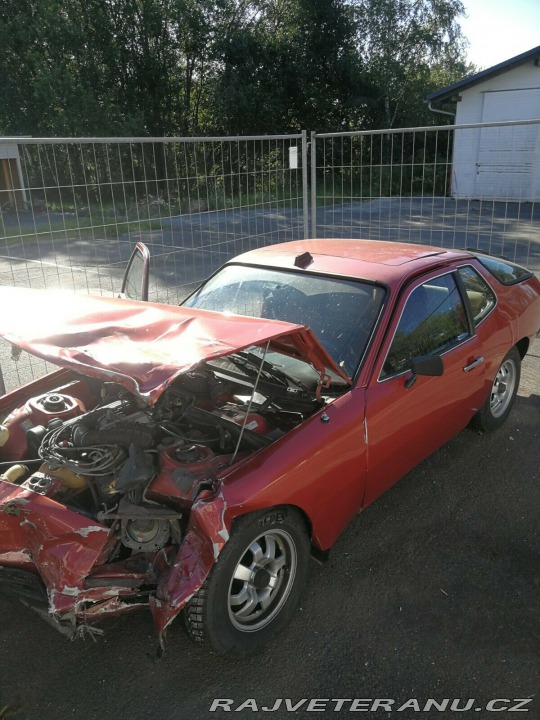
[[431, 365]]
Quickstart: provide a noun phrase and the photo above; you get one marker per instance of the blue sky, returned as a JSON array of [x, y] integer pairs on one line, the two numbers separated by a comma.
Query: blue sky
[[499, 29]]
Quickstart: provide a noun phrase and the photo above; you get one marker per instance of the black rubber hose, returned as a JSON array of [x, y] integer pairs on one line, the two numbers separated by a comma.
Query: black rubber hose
[[120, 434]]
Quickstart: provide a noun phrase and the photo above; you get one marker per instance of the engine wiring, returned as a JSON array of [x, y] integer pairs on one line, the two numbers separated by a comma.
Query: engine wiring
[[57, 449]]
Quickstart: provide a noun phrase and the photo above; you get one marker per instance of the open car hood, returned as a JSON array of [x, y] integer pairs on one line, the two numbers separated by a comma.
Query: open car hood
[[141, 345]]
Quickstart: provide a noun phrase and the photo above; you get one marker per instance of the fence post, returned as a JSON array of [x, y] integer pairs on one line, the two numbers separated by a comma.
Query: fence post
[[305, 196], [313, 185]]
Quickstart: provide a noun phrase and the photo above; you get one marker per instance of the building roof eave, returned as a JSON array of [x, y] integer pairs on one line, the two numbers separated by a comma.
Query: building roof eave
[[450, 92]]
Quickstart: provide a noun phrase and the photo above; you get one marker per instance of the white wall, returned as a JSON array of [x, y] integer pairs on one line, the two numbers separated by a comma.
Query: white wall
[[499, 163]]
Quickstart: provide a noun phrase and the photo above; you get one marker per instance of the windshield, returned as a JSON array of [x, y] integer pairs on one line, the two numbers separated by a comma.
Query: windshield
[[340, 312]]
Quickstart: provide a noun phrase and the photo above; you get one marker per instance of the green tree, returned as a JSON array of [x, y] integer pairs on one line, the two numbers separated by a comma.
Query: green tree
[[102, 66], [181, 67], [289, 64], [402, 42]]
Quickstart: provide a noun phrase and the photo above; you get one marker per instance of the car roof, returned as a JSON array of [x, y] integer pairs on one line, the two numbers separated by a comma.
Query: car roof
[[377, 260]]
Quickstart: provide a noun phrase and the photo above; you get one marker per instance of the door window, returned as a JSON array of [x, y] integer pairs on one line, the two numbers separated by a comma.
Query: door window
[[433, 321]]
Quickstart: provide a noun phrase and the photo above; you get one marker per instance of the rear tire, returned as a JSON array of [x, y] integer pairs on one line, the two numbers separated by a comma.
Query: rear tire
[[255, 586], [502, 395]]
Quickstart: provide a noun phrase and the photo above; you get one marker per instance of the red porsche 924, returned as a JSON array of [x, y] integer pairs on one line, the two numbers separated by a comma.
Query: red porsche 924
[[190, 459]]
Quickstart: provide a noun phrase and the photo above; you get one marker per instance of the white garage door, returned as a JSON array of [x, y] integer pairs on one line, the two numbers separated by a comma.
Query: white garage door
[[508, 166]]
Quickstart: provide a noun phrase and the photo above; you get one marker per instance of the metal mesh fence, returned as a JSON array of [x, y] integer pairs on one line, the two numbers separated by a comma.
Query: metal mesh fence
[[468, 186], [72, 210]]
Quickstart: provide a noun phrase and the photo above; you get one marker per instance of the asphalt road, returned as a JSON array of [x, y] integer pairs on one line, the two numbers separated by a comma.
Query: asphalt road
[[187, 248], [432, 592]]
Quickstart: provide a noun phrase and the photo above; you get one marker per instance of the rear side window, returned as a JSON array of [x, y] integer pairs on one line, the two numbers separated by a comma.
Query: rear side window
[[506, 272], [481, 296]]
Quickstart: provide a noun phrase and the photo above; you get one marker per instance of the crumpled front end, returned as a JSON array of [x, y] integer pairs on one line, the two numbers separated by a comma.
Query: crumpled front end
[[47, 550], [110, 503], [56, 560], [110, 499], [202, 544]]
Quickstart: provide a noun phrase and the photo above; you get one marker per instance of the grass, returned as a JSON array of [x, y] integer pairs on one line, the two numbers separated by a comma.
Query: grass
[[66, 229], [9, 711], [113, 220], [379, 181]]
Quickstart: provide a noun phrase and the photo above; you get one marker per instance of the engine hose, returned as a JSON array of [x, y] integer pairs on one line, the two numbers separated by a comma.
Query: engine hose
[[117, 435]]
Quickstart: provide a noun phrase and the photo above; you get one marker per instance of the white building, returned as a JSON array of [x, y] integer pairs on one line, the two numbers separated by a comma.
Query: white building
[[497, 163]]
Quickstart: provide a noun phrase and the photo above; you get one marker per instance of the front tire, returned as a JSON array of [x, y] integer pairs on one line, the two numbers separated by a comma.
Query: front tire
[[256, 585], [502, 395]]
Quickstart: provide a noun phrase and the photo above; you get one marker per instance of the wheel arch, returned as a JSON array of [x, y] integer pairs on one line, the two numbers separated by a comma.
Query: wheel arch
[[503, 391], [317, 552], [523, 346]]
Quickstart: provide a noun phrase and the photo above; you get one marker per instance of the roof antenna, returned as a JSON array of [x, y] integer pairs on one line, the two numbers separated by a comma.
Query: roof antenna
[[250, 404]]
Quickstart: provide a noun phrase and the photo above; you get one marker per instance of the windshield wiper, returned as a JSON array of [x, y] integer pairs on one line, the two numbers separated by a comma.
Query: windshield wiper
[[250, 363]]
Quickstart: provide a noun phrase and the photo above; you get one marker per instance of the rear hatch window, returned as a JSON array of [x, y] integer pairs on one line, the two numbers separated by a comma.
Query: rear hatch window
[[506, 272]]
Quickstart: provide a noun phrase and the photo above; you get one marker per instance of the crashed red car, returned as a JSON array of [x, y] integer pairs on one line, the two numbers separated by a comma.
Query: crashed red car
[[189, 459]]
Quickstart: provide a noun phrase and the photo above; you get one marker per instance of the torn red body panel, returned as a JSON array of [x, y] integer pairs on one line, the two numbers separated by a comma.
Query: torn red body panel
[[61, 543], [141, 345], [69, 552], [204, 540]]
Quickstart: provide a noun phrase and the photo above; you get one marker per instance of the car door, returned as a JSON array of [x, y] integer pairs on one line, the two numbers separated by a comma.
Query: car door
[[407, 416]]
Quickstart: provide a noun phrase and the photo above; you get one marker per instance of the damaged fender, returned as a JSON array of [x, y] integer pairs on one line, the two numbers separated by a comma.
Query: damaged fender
[[207, 534]]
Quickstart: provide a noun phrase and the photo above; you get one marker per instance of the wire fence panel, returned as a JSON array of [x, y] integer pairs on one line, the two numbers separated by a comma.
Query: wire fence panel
[[71, 211], [468, 186]]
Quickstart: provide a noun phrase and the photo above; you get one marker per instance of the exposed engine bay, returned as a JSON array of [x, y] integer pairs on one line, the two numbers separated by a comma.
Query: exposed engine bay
[[97, 449]]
